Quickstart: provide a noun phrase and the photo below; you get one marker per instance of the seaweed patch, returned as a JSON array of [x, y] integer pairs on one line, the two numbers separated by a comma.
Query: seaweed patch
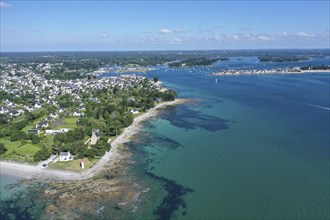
[[173, 200], [187, 118]]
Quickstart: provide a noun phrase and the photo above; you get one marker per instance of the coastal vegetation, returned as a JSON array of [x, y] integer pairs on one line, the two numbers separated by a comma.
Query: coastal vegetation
[[200, 61], [73, 165], [108, 109], [282, 58], [321, 67]]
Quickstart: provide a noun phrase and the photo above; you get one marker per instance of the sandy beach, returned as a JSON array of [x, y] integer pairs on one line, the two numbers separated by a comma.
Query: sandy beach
[[22, 170]]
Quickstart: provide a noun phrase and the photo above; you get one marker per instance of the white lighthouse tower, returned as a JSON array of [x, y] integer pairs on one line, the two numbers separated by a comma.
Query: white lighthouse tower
[[82, 164]]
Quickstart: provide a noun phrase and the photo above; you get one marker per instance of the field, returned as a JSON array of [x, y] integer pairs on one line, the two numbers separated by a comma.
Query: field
[[17, 151], [73, 165], [68, 123]]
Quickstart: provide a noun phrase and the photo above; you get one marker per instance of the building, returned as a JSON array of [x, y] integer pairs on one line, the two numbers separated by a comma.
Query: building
[[53, 115], [135, 111], [15, 113], [33, 131], [67, 89], [59, 131], [77, 113], [66, 156], [95, 136], [43, 124]]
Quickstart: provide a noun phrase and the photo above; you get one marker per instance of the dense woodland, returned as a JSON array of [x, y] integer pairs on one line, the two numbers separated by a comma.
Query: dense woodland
[[282, 58]]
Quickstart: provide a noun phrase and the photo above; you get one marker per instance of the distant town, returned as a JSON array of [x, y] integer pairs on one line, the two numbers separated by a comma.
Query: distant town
[[273, 71]]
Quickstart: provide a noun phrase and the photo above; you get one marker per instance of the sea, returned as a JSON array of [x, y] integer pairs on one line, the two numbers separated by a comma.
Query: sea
[[242, 147]]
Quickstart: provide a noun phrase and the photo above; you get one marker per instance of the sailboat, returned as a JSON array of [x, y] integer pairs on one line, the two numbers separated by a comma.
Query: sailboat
[[216, 80]]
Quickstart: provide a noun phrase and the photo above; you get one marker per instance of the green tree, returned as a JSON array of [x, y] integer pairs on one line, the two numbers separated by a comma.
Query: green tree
[[43, 154], [3, 149], [18, 135], [35, 139]]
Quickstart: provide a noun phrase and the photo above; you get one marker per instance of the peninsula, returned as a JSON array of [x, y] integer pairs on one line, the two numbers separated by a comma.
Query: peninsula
[[24, 170], [295, 70], [73, 123]]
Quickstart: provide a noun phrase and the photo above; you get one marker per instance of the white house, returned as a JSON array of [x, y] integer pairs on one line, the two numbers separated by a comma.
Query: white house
[[77, 113], [135, 111], [37, 105], [15, 113], [43, 124], [29, 108], [62, 110], [66, 156], [53, 115]]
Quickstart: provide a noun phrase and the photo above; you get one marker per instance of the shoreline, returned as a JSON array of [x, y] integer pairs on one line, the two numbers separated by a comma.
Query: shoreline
[[238, 73], [27, 171]]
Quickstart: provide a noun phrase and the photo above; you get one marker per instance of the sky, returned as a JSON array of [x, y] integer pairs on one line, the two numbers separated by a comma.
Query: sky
[[46, 25]]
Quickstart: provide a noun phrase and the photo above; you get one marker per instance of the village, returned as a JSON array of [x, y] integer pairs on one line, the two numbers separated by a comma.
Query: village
[[39, 116]]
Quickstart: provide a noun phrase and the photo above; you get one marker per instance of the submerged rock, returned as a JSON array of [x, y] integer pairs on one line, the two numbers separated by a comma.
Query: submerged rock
[[50, 191], [51, 209]]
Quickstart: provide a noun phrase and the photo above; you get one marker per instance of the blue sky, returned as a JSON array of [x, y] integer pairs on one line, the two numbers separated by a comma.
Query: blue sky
[[162, 25]]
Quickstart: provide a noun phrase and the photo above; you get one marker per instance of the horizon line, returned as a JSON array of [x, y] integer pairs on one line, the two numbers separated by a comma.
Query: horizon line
[[156, 50]]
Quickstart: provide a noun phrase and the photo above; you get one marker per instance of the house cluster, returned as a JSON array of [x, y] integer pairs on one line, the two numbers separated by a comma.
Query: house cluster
[[28, 91], [25, 91], [44, 124]]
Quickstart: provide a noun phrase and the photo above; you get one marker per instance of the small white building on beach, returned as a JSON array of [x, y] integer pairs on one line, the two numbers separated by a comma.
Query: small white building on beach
[[66, 156]]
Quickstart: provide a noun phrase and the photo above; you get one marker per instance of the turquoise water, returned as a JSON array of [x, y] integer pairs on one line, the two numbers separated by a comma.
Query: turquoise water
[[248, 147], [251, 147], [5, 189]]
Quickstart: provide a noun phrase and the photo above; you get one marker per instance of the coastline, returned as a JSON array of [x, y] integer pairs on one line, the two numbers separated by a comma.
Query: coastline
[[27, 171], [240, 73], [315, 71]]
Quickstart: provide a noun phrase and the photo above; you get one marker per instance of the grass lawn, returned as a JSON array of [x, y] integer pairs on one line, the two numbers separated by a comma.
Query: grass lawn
[[68, 123], [17, 152], [18, 119], [28, 127], [73, 165], [138, 114]]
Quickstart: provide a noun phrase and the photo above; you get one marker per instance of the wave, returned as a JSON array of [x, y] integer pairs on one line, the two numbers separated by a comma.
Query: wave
[[316, 106]]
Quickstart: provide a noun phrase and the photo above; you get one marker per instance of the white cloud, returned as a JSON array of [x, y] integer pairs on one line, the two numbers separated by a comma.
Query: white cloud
[[234, 37], [178, 30], [4, 5], [104, 35], [263, 37], [304, 34], [165, 31], [177, 39], [284, 33]]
